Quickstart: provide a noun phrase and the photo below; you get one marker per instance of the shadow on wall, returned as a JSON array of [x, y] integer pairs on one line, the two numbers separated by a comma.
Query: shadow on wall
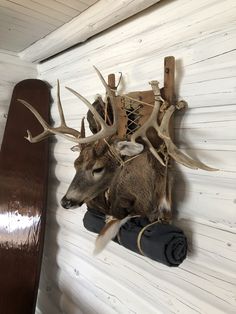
[[2, 126], [179, 180], [179, 74], [49, 297]]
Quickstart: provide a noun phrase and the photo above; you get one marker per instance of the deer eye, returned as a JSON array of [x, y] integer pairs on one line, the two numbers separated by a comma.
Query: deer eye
[[97, 170]]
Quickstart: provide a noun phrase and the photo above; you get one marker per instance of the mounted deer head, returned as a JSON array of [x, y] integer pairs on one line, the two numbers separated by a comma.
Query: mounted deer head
[[95, 168], [101, 153], [95, 165]]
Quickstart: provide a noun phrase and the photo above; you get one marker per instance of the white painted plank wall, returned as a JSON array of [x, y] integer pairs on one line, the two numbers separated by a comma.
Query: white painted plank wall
[[101, 16], [12, 71], [22, 22], [201, 35]]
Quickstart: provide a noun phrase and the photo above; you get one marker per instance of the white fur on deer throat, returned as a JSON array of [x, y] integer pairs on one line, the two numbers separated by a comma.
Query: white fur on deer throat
[[164, 204], [107, 194]]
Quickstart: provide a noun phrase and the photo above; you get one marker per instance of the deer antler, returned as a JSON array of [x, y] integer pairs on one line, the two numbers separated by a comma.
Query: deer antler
[[106, 130], [70, 133], [62, 130], [173, 151], [151, 122], [163, 132]]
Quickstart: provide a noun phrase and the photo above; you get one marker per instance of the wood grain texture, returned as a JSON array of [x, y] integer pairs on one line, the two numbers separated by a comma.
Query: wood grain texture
[[201, 36], [102, 15], [23, 22], [23, 190]]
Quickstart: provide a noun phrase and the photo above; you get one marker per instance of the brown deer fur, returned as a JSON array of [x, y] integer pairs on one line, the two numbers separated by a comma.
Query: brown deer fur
[[141, 187]]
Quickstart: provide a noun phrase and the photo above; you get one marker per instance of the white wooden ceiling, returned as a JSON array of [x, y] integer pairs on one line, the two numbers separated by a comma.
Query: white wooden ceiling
[[22, 22]]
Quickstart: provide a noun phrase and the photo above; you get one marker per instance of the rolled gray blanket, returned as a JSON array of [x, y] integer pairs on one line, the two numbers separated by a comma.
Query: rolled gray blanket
[[164, 243]]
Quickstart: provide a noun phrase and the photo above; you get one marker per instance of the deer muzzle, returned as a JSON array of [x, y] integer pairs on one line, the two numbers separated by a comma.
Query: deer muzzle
[[70, 203]]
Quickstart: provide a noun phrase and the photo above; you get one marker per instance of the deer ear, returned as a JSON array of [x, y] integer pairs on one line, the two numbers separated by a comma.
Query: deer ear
[[126, 148]]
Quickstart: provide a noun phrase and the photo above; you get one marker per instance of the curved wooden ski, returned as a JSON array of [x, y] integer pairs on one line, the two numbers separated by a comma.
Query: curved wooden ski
[[23, 188]]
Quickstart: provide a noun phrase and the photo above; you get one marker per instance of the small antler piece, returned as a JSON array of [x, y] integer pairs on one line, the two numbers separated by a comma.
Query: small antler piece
[[151, 122], [63, 130], [173, 151], [163, 133]]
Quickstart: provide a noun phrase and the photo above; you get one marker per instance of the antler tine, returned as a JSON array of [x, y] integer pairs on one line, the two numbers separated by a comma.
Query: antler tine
[[64, 131], [104, 83], [110, 95], [153, 150], [106, 130], [151, 122], [37, 138], [82, 128], [89, 105], [44, 124], [61, 113], [173, 151]]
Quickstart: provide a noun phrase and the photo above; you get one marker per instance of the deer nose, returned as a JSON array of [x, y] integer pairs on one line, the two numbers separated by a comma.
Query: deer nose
[[67, 203]]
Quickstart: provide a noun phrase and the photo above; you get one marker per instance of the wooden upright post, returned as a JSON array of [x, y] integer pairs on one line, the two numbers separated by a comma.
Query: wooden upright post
[[112, 81], [169, 80], [169, 95], [169, 85]]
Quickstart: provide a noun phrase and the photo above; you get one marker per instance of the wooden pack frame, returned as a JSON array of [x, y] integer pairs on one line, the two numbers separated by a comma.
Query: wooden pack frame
[[136, 107]]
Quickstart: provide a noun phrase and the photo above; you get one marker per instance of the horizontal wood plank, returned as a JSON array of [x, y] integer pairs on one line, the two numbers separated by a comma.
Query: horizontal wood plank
[[24, 22]]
